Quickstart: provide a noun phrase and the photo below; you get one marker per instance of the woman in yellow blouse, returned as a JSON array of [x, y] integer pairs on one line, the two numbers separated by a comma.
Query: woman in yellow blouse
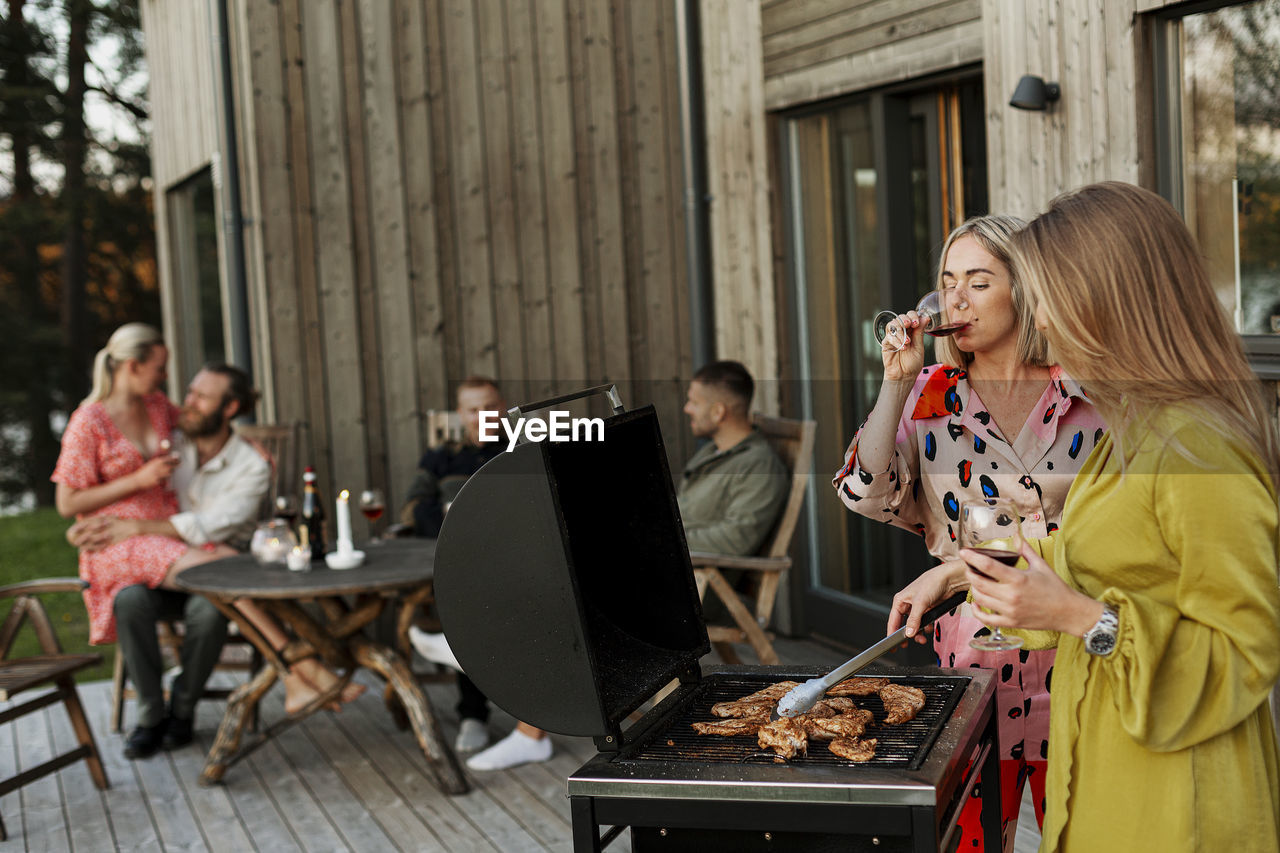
[[1162, 580]]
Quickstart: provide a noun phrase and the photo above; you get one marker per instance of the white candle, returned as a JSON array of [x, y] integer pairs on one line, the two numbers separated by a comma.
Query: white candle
[[344, 523]]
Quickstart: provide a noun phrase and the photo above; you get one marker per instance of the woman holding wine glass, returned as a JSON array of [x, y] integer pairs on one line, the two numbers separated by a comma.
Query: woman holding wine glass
[[994, 418], [1162, 580]]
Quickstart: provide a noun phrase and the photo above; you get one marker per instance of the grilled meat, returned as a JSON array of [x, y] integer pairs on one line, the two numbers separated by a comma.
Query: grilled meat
[[853, 748], [785, 736], [834, 704], [749, 706], [730, 727], [901, 703], [850, 725], [858, 686]]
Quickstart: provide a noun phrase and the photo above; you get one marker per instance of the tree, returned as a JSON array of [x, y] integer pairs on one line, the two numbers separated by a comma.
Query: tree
[[77, 255]]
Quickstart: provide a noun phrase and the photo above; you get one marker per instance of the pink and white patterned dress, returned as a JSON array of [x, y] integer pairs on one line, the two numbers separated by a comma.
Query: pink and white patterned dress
[[949, 450], [94, 451]]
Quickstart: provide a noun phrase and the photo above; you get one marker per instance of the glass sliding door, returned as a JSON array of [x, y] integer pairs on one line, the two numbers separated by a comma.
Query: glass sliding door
[[869, 186]]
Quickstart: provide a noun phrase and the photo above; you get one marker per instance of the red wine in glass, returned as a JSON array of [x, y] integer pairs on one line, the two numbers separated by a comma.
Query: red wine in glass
[[945, 331], [373, 513]]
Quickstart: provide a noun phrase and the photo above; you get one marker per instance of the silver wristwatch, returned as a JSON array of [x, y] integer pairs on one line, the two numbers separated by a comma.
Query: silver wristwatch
[[1100, 640]]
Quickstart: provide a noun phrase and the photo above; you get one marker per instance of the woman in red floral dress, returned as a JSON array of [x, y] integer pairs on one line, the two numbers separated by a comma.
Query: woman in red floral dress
[[116, 461]]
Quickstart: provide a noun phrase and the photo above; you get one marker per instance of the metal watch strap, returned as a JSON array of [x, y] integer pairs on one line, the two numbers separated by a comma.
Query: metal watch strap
[[1100, 640]]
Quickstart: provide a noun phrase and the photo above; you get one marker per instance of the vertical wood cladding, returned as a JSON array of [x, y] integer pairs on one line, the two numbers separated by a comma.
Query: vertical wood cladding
[[435, 188]]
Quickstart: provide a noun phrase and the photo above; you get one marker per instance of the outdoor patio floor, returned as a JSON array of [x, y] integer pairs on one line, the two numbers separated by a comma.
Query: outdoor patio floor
[[346, 781]]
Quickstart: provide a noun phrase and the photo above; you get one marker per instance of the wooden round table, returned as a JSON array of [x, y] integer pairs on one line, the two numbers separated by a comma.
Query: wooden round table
[[398, 572]]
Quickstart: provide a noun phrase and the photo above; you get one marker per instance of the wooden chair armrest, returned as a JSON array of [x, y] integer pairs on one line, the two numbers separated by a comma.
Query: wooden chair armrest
[[43, 586], [728, 561]]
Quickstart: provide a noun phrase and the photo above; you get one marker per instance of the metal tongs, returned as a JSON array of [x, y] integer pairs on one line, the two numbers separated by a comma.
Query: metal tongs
[[800, 699]]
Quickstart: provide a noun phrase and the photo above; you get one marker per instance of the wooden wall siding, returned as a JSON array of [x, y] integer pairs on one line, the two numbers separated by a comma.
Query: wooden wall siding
[[1098, 130], [815, 49], [738, 182], [184, 135], [434, 188], [183, 111]]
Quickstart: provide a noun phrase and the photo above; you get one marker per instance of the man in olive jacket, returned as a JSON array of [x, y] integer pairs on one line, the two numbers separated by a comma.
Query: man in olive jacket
[[734, 486]]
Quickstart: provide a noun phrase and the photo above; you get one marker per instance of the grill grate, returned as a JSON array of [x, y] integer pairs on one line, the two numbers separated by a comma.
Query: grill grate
[[902, 746]]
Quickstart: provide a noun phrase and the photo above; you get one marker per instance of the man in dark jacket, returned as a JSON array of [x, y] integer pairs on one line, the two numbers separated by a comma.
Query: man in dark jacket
[[441, 473]]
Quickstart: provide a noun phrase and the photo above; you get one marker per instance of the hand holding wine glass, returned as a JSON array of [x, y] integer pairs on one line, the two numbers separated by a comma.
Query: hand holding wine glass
[[892, 330], [993, 528]]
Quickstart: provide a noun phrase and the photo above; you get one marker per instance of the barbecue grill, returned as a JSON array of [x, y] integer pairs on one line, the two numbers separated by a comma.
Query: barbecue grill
[[563, 581]]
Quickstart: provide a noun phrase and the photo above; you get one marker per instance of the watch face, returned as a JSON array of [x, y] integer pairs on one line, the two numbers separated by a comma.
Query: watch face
[[1102, 644]]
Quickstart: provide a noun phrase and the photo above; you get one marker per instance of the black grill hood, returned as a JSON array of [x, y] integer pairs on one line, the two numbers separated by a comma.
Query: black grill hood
[[563, 581]]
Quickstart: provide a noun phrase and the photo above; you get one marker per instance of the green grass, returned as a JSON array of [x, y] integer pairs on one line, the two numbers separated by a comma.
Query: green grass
[[32, 546]]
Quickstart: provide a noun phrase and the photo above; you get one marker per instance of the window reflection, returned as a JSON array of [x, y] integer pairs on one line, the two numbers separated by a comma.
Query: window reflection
[[1231, 145]]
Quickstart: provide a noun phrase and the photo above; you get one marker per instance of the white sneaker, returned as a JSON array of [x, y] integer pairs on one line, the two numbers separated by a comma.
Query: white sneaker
[[515, 749], [433, 647], [472, 735]]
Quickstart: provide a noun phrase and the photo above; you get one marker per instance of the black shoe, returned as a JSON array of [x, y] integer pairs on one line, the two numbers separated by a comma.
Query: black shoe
[[178, 732], [144, 741]]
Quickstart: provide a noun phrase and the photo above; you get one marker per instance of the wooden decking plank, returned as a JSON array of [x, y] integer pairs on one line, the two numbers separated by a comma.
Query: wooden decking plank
[[127, 810], [413, 782], [289, 787], [497, 826], [170, 810], [547, 780], [214, 812], [340, 802], [11, 803], [524, 807], [82, 803], [248, 795], [405, 829], [44, 826]]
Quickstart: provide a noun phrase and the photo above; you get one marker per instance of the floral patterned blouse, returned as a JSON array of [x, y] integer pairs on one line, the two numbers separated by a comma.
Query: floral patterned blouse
[[949, 450], [94, 451]]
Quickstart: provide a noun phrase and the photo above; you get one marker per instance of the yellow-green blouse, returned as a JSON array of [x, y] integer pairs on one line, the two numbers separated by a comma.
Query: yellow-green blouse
[[1167, 744]]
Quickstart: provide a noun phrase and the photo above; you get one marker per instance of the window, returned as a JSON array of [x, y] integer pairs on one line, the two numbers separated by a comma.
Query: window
[[1219, 152], [871, 185], [197, 290]]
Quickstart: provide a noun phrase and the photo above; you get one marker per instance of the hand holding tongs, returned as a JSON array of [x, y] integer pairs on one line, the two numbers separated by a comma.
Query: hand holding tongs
[[801, 698]]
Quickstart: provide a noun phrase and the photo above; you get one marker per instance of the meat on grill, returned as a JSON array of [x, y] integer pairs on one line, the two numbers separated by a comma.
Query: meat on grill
[[858, 686], [833, 705], [849, 725], [901, 703], [749, 706], [785, 736], [853, 748], [731, 727]]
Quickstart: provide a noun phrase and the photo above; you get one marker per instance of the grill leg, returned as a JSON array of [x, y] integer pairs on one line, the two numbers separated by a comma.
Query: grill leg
[[586, 835]]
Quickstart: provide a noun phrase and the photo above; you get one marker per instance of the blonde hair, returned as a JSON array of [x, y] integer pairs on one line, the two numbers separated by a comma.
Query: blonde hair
[[1134, 318], [132, 341], [995, 235]]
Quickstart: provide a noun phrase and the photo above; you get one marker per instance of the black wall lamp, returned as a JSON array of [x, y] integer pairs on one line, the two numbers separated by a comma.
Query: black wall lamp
[[1034, 94]]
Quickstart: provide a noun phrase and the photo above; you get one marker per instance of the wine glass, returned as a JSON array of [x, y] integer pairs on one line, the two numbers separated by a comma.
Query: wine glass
[[286, 507], [932, 309], [993, 528], [373, 505]]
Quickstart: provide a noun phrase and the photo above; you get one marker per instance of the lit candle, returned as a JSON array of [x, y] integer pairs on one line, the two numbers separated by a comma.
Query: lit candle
[[344, 523]]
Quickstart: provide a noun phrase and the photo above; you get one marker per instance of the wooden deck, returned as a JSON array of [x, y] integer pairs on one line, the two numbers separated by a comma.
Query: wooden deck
[[348, 781]]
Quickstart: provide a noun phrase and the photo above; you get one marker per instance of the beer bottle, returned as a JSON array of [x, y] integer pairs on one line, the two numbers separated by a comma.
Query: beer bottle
[[312, 514]]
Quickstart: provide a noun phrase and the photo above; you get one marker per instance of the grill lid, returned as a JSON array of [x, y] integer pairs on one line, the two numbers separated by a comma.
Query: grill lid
[[563, 580]]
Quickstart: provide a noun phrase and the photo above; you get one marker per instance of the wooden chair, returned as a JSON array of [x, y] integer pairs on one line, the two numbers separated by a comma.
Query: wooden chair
[[54, 669], [792, 440], [279, 442], [443, 426]]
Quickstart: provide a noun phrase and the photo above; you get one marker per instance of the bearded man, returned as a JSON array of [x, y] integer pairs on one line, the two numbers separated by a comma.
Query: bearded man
[[220, 482]]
